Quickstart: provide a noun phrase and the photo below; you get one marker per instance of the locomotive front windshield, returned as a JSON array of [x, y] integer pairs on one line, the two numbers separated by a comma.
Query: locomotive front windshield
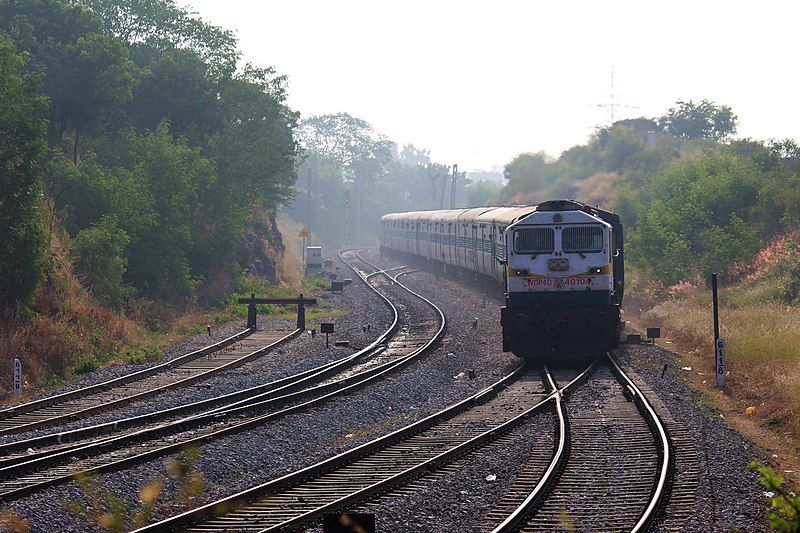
[[534, 240], [583, 239]]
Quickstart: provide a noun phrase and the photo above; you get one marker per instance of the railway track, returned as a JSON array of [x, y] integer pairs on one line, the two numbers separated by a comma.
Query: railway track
[[303, 496], [180, 372], [613, 474], [417, 325], [581, 483]]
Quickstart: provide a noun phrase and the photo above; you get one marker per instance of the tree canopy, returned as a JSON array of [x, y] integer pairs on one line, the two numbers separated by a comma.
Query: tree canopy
[[22, 144], [160, 151], [704, 120]]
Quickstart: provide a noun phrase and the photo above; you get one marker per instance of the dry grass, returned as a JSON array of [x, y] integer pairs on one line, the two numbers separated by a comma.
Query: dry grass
[[290, 266], [64, 327], [762, 343]]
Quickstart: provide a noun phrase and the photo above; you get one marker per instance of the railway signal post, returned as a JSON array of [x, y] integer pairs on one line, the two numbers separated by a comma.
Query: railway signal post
[[327, 329]]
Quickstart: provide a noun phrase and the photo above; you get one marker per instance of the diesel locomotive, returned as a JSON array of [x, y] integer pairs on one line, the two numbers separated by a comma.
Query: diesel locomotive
[[561, 263]]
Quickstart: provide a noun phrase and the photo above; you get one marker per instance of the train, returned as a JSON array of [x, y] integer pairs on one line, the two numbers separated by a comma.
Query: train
[[561, 264]]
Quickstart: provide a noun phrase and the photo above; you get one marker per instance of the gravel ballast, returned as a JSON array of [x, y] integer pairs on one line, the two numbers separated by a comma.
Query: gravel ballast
[[296, 355], [728, 498]]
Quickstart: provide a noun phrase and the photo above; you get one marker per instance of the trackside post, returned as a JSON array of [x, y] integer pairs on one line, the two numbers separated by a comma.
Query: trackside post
[[17, 383], [719, 344]]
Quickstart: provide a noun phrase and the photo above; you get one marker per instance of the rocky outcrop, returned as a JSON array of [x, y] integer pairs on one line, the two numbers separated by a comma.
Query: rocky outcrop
[[261, 245]]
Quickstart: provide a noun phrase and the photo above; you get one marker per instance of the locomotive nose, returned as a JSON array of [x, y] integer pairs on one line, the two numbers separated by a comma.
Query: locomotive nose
[[521, 322]]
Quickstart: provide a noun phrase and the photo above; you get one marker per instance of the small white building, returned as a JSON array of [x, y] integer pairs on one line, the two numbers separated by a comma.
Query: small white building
[[313, 256]]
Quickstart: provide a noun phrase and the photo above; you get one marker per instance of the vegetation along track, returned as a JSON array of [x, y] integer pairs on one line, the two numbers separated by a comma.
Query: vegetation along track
[[58, 462]]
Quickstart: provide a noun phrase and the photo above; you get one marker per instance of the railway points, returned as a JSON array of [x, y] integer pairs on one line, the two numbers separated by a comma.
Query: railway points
[[417, 325], [597, 411]]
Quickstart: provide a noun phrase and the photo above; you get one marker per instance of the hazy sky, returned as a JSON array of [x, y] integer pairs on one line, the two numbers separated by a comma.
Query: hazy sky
[[479, 82]]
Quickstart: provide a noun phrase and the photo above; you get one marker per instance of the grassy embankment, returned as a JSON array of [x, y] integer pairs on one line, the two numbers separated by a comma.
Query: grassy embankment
[[761, 326], [66, 332]]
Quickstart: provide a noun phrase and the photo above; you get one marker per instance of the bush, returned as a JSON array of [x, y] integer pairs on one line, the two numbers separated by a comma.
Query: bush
[[785, 513], [102, 261], [697, 216], [86, 363]]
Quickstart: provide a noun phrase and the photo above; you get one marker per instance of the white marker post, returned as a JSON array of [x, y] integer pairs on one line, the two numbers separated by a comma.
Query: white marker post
[[720, 346], [17, 385]]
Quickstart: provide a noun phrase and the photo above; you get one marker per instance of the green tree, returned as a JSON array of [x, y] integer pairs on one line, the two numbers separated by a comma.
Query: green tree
[[175, 177], [22, 143], [482, 193], [100, 77], [175, 86], [102, 260], [697, 216], [163, 26], [364, 157], [529, 176], [705, 120]]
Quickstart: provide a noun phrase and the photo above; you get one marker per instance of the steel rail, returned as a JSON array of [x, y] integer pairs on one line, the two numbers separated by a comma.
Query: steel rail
[[559, 456], [516, 519], [250, 395], [661, 434], [243, 498], [125, 400], [30, 408], [127, 378], [351, 383], [223, 505]]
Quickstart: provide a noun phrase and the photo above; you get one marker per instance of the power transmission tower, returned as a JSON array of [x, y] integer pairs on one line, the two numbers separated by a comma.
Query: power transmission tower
[[612, 105]]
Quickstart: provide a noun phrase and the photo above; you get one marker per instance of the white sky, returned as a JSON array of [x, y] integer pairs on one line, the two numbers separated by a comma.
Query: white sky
[[478, 82]]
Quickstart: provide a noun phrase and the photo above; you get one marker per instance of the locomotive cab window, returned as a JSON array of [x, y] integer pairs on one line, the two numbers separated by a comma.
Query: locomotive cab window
[[534, 240], [585, 239]]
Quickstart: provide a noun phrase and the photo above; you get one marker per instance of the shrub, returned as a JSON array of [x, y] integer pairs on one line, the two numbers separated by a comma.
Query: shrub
[[102, 260], [785, 513], [86, 363]]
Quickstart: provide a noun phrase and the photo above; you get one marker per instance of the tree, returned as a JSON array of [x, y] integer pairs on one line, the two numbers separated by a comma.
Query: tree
[[99, 76], [174, 86], [350, 141], [528, 177], [162, 25], [22, 143], [102, 260], [697, 216], [364, 157], [705, 120]]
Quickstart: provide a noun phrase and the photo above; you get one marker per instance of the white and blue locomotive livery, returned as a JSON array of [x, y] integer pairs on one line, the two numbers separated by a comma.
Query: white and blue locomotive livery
[[561, 263]]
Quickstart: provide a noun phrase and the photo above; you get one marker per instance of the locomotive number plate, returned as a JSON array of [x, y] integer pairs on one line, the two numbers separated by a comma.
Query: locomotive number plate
[[558, 265]]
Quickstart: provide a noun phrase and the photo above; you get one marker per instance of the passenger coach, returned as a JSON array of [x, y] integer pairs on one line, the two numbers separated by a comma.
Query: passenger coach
[[561, 263]]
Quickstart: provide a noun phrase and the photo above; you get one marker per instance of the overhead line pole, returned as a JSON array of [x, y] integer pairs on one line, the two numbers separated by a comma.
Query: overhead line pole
[[453, 188]]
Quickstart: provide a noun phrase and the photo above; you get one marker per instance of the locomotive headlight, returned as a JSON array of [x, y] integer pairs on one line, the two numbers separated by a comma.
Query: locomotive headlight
[[522, 271], [595, 270]]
